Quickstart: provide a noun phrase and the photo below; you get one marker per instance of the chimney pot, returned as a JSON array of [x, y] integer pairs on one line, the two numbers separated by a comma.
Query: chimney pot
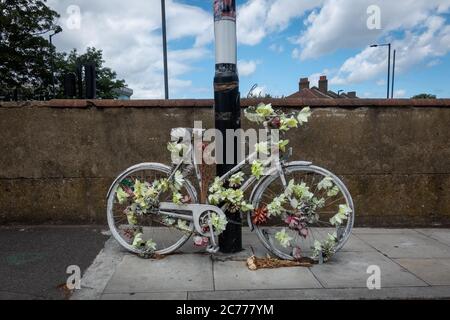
[[303, 84], [323, 84]]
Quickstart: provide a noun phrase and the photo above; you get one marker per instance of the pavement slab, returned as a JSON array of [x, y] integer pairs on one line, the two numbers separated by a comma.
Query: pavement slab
[[234, 275], [179, 272], [438, 292], [441, 235], [404, 245], [145, 296], [349, 270], [434, 271]]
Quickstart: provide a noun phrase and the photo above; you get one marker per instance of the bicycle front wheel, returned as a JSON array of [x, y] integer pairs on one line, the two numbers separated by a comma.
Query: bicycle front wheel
[[133, 220], [311, 218]]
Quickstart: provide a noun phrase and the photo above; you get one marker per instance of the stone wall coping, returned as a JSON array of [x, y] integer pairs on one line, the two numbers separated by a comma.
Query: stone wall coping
[[208, 103]]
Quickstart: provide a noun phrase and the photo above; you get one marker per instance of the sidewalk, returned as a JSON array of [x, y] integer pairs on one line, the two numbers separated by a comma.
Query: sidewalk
[[414, 264]]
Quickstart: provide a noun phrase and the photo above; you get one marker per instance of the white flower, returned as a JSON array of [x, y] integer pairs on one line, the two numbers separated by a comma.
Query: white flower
[[122, 196], [333, 191], [325, 183], [137, 241], [283, 238], [151, 245], [236, 179], [275, 208], [214, 199], [246, 206], [217, 185], [264, 110], [219, 223], [168, 221], [253, 116], [257, 169], [178, 180], [342, 215], [176, 197], [183, 225], [303, 115]]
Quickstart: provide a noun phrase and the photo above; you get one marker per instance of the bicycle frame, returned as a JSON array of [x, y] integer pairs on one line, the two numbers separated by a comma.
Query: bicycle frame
[[274, 158]]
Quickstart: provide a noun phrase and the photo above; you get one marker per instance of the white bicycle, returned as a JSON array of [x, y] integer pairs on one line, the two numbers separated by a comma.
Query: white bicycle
[[297, 209]]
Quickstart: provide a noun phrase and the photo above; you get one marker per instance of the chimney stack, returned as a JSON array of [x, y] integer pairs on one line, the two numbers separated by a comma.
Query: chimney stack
[[351, 94], [303, 84], [323, 84]]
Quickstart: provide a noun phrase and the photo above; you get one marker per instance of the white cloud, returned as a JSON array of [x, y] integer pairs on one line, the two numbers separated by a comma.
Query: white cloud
[[432, 40], [296, 53], [278, 48], [343, 23], [399, 93], [258, 18], [130, 37], [247, 67]]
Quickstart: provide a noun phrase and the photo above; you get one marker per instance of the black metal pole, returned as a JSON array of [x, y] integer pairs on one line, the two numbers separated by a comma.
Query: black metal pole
[[389, 69], [164, 36], [52, 65], [227, 107], [393, 74]]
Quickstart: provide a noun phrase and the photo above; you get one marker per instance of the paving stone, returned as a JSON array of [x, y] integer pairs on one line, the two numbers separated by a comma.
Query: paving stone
[[175, 273], [407, 245], [441, 235], [145, 296], [234, 275], [433, 271], [441, 292], [383, 231], [354, 244], [349, 270]]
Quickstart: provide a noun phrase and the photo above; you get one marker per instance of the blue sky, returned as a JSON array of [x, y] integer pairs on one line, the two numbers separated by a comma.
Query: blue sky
[[279, 42]]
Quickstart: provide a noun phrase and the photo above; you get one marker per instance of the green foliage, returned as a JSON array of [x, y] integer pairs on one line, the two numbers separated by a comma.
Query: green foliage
[[25, 53], [107, 80], [424, 96]]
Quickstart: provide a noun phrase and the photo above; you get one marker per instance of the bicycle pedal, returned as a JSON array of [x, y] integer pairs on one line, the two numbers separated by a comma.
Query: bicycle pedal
[[212, 249]]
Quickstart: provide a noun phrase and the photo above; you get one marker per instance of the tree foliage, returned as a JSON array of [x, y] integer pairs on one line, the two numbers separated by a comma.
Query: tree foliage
[[25, 53], [424, 96], [107, 81]]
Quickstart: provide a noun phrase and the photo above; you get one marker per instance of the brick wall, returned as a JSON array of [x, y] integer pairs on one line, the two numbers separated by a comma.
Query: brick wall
[[58, 158]]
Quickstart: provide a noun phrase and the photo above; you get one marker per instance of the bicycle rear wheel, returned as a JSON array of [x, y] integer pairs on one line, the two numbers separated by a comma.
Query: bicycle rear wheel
[[138, 226], [314, 221]]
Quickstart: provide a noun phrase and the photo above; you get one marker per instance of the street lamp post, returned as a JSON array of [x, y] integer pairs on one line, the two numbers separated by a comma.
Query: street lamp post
[[164, 36], [393, 74], [389, 63], [227, 107], [52, 52]]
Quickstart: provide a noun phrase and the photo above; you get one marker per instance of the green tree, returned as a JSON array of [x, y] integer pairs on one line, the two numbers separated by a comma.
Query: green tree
[[424, 96], [107, 82], [24, 52]]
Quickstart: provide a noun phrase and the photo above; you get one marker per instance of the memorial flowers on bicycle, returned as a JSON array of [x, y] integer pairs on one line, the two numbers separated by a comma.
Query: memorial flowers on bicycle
[[298, 210]]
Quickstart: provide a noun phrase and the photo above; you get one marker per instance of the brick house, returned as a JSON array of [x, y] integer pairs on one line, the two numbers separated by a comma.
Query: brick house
[[304, 91]]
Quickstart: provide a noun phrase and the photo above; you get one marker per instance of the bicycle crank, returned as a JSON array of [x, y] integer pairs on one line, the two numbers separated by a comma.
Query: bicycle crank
[[197, 211]]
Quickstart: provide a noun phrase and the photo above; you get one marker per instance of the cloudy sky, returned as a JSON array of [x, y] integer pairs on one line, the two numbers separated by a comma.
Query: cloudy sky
[[279, 41]]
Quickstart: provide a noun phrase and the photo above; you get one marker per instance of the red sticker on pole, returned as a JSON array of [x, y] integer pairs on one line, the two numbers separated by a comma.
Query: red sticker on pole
[[224, 10]]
